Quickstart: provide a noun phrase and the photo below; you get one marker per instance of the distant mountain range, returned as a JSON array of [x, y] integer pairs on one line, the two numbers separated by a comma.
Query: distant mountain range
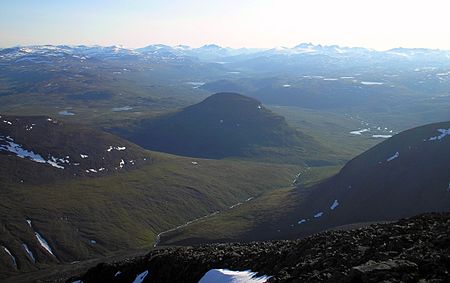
[[212, 52], [307, 75]]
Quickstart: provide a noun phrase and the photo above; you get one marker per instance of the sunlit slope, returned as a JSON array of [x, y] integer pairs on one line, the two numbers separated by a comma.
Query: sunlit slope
[[79, 214]]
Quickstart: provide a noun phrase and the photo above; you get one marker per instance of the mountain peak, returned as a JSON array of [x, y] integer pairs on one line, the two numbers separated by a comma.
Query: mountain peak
[[230, 97], [211, 46], [222, 125]]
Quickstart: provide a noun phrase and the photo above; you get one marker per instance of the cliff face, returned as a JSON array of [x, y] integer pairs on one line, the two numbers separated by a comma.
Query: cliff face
[[405, 251]]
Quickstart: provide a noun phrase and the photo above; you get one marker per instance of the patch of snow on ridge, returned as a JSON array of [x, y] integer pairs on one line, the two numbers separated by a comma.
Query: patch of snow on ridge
[[66, 113], [43, 243], [444, 133], [118, 148], [372, 83], [84, 156], [10, 254], [382, 136], [396, 155], [30, 254], [317, 215], [124, 108], [230, 276], [334, 204], [301, 221], [359, 132], [10, 146], [140, 277]]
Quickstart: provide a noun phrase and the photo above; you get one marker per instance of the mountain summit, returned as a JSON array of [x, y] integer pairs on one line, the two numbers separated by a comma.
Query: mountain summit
[[223, 125]]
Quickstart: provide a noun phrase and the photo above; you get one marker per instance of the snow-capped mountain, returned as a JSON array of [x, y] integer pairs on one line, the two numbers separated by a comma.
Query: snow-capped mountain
[[213, 52]]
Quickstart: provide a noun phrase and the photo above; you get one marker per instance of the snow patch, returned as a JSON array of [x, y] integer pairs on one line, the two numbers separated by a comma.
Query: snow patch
[[382, 136], [66, 113], [21, 152], [301, 221], [28, 251], [359, 132], [12, 257], [196, 83], [334, 204], [84, 156], [124, 108], [140, 277], [372, 83], [317, 215], [122, 163], [194, 163], [118, 148], [230, 276], [444, 133], [117, 273], [287, 85], [43, 243], [396, 155]]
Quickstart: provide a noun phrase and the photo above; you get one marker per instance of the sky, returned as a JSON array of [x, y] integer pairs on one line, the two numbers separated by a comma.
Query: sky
[[377, 24]]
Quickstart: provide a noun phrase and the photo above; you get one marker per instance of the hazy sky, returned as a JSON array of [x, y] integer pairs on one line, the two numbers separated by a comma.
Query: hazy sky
[[379, 24]]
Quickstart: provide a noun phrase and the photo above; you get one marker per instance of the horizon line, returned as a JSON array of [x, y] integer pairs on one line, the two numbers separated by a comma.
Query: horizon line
[[221, 46]]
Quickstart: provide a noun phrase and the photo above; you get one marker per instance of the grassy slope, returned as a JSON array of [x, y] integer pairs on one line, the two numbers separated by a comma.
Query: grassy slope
[[250, 220], [125, 210], [332, 129]]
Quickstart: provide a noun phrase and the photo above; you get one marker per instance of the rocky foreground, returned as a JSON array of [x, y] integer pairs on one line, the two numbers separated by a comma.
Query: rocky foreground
[[411, 250]]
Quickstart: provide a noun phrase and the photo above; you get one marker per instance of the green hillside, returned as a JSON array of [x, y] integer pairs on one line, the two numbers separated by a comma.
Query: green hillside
[[89, 215]]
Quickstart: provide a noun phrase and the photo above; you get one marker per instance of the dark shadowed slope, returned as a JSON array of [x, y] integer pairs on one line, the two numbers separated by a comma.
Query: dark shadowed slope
[[225, 125], [403, 176]]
